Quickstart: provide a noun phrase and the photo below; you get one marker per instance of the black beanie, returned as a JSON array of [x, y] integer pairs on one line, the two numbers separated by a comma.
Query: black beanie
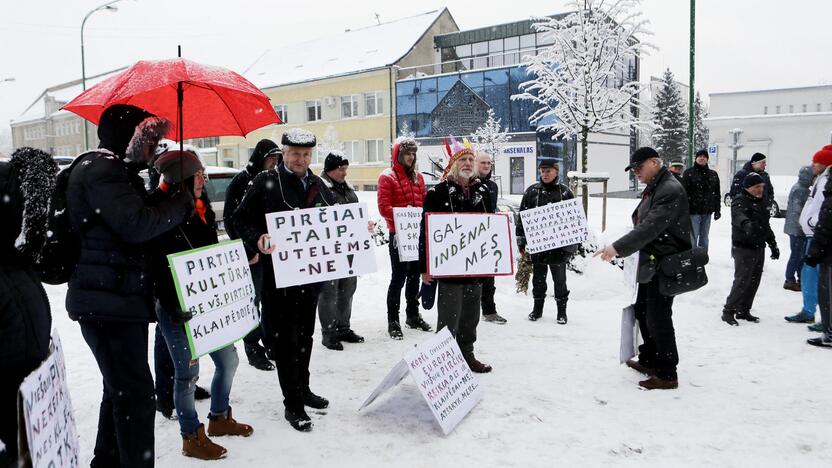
[[117, 125], [757, 157], [334, 160], [752, 179]]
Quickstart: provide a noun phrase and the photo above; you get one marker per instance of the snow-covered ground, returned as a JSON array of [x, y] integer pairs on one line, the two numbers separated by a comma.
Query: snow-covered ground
[[755, 395]]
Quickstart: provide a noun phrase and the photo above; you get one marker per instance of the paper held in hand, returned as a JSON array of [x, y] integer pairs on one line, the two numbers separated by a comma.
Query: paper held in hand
[[554, 226], [214, 284], [320, 244], [408, 222], [443, 377], [468, 244]]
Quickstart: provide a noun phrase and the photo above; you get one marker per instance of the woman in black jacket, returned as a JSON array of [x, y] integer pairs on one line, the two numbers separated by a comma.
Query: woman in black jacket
[[198, 230]]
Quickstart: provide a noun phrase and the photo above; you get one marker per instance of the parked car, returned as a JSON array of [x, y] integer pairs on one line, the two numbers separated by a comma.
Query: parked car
[[782, 185], [63, 161]]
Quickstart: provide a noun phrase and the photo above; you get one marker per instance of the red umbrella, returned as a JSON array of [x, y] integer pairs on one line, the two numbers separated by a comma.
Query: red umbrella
[[215, 101]]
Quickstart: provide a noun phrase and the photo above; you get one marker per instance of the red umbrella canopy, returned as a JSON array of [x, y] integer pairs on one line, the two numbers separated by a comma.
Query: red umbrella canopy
[[217, 101]]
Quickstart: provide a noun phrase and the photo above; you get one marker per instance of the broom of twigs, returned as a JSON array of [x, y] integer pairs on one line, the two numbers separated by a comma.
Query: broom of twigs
[[524, 273]]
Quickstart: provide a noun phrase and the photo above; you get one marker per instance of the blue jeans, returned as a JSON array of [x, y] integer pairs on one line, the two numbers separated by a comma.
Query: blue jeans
[[186, 373], [701, 225], [797, 244], [809, 284]]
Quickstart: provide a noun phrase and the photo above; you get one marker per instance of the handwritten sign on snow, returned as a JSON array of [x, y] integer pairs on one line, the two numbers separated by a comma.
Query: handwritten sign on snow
[[214, 284], [469, 244], [51, 436], [408, 222], [320, 244], [554, 226], [442, 376]]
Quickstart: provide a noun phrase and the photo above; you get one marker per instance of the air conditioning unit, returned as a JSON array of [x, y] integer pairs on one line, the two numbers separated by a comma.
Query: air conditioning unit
[[329, 101]]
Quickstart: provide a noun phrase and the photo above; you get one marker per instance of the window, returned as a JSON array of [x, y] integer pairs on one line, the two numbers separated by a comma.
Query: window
[[371, 188], [375, 151], [805, 107], [373, 103], [817, 108], [544, 39], [527, 42], [313, 110], [352, 150], [765, 110], [349, 106], [463, 50], [77, 127], [777, 109], [282, 111], [207, 142], [791, 109]]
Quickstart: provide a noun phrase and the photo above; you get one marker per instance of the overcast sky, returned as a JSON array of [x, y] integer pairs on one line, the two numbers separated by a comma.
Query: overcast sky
[[741, 44]]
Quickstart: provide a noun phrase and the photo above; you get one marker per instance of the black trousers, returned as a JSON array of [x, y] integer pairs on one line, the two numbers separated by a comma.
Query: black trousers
[[558, 278], [487, 301], [288, 321], [458, 308], [654, 313], [125, 421], [251, 341], [748, 271], [404, 275], [163, 368]]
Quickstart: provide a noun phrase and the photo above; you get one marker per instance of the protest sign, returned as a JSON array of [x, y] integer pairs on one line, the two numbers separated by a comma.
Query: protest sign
[[214, 285], [469, 244], [629, 334], [320, 244], [554, 226], [408, 222], [51, 438], [631, 275], [442, 376]]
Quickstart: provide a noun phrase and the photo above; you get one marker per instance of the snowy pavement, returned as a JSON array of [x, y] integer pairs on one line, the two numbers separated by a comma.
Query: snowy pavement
[[755, 395]]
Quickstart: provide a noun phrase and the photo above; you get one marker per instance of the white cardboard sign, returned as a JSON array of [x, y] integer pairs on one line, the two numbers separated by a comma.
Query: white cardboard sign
[[469, 244], [51, 435], [554, 226], [442, 376], [214, 284], [320, 244], [408, 221]]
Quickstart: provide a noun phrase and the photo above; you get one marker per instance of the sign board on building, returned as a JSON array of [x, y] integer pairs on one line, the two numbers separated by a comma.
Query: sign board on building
[[469, 244], [408, 222]]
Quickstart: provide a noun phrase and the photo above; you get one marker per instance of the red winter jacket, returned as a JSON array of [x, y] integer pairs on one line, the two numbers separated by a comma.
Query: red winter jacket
[[397, 190]]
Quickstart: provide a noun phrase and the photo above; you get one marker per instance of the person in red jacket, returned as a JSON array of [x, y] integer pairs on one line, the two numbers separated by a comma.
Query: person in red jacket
[[401, 186]]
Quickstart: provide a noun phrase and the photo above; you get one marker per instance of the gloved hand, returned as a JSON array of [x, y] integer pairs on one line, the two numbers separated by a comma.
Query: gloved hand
[[179, 316], [775, 252], [717, 215]]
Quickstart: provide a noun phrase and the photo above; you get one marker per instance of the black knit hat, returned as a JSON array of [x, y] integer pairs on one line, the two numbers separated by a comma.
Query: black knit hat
[[548, 162], [757, 157], [299, 137], [334, 160], [642, 154], [703, 153], [752, 179]]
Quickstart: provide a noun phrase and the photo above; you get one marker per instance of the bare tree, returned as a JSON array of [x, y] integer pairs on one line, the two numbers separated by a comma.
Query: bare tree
[[490, 137], [584, 82]]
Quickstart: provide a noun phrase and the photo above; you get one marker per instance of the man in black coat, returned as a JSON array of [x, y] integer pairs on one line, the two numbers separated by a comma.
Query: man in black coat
[[265, 156], [543, 193], [701, 183], [110, 291], [458, 305], [26, 185], [676, 168], [288, 314], [750, 232], [661, 228], [756, 164], [485, 167]]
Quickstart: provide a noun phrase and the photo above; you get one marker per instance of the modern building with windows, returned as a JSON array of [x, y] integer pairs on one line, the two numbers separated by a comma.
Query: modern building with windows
[[341, 88], [482, 69]]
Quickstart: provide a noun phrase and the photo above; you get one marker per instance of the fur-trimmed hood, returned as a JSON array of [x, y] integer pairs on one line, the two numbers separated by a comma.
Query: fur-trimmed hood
[[149, 129]]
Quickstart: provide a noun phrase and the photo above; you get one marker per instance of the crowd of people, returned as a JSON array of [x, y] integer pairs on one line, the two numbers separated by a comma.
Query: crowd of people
[[121, 280]]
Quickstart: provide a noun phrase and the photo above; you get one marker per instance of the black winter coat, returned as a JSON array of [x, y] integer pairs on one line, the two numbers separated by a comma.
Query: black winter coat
[[449, 197], [26, 185], [493, 190], [538, 195], [820, 249], [342, 193], [701, 183], [661, 224], [736, 184], [270, 192], [191, 234], [107, 206], [750, 228], [240, 183]]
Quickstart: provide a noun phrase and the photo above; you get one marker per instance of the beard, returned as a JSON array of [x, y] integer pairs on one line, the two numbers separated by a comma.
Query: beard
[[466, 173]]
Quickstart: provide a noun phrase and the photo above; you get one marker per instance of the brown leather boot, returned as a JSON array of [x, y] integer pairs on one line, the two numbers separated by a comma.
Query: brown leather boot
[[657, 383], [476, 366], [226, 425], [198, 445]]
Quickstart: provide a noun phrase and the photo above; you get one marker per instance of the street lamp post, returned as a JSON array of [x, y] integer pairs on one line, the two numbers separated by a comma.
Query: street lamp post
[[109, 7]]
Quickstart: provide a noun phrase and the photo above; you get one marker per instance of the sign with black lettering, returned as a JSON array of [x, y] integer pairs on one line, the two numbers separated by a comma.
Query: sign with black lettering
[[469, 244], [320, 244], [442, 376], [214, 286], [554, 226], [51, 437], [408, 221]]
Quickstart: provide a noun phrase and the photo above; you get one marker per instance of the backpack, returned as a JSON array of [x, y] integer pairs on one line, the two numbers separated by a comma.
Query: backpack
[[62, 248]]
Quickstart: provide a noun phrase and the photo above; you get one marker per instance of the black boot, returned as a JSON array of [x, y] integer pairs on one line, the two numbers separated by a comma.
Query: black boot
[[561, 312], [201, 394], [728, 317], [537, 312], [747, 316]]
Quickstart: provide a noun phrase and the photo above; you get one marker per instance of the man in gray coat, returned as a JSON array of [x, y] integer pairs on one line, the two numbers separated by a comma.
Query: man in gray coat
[[662, 228]]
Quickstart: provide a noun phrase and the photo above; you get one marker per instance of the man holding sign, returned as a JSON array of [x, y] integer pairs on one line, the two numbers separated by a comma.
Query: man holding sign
[[458, 306], [546, 192], [288, 314]]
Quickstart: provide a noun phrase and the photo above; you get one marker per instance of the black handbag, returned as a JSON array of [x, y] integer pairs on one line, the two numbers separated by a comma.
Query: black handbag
[[682, 272]]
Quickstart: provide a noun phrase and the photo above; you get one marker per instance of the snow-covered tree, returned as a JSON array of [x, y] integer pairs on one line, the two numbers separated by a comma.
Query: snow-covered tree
[[701, 134], [581, 82], [491, 136], [328, 143], [671, 120], [405, 131]]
